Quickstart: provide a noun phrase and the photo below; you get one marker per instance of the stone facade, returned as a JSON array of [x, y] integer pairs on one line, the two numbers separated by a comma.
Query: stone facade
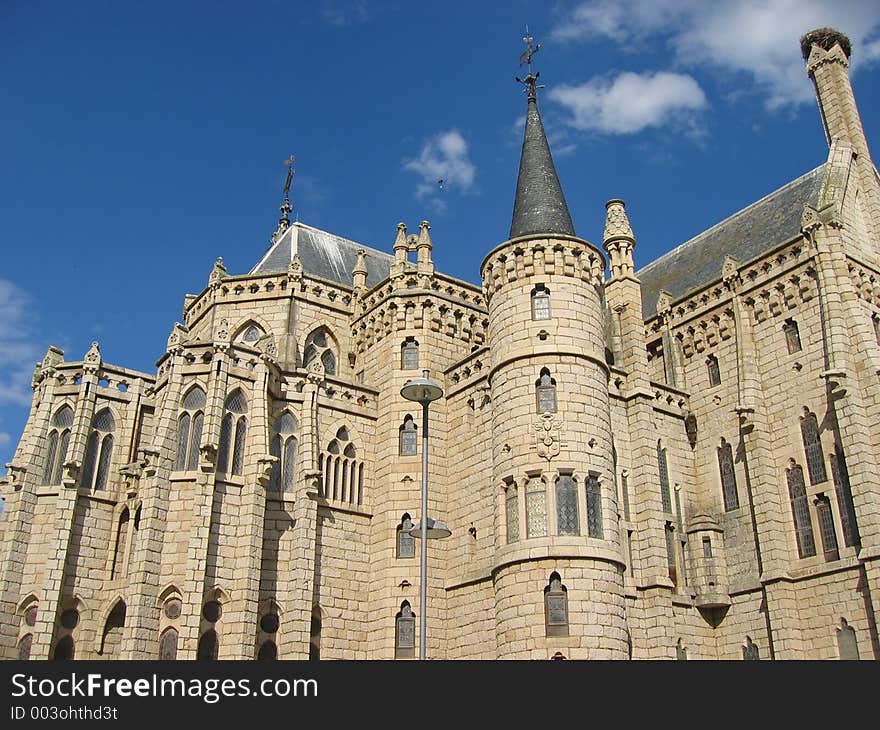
[[694, 481]]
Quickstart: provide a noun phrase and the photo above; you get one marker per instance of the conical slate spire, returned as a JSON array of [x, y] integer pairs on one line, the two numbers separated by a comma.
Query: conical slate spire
[[540, 204]]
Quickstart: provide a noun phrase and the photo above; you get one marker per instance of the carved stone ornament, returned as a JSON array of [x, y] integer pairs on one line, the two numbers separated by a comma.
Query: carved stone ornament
[[295, 268], [92, 359], [547, 430], [15, 475], [264, 469], [664, 302], [729, 270], [813, 218], [149, 459], [207, 457], [177, 337], [222, 334], [218, 273], [70, 473], [270, 349], [131, 475], [53, 358], [316, 371]]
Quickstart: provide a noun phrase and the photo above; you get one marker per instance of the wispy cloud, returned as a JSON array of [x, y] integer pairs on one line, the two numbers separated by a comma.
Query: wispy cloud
[[631, 102], [758, 39], [444, 156], [18, 350], [344, 12]]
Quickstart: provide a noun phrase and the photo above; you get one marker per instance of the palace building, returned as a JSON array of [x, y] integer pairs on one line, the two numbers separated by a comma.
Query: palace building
[[672, 462]]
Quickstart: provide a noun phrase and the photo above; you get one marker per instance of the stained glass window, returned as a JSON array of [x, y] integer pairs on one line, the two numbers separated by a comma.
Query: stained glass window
[[24, 647], [826, 529], [409, 442], [728, 476], [555, 607], [511, 503], [168, 644], [566, 506], [800, 512], [714, 370], [319, 346], [813, 449], [847, 646], [536, 508], [840, 476], [209, 646], [406, 543], [663, 468], [540, 302], [594, 507], [405, 632], [545, 393]]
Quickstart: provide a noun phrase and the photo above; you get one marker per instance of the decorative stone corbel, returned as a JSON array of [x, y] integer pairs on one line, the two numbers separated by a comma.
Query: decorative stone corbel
[[730, 272], [149, 459], [265, 464], [92, 359], [131, 475], [207, 457], [15, 475], [70, 473], [316, 372]]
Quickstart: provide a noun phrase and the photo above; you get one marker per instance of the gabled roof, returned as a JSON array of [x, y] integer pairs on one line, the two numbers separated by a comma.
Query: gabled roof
[[745, 235], [323, 254]]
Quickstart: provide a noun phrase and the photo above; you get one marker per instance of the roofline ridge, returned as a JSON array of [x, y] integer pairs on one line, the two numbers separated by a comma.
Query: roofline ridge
[[343, 238], [733, 215]]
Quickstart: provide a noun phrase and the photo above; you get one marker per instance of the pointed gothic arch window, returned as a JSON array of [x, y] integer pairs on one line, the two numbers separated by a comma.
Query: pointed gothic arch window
[[792, 336], [405, 632], [540, 302], [409, 437], [119, 547], [406, 543], [284, 446], [409, 354], [168, 644], [65, 649], [511, 506], [813, 448], [233, 432], [209, 646], [319, 346], [189, 429], [594, 507], [567, 522], [728, 476], [99, 451], [663, 469], [750, 650], [714, 370], [24, 647], [58, 441], [113, 627], [826, 528], [536, 508], [800, 511], [342, 470], [545, 392], [843, 491], [555, 607]]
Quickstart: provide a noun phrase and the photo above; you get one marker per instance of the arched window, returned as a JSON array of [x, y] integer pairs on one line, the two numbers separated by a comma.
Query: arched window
[[545, 393], [409, 354], [406, 543], [59, 438], [511, 504], [409, 437], [113, 630], [343, 472], [119, 547], [268, 651], [536, 508], [840, 476], [594, 507], [800, 511], [319, 346], [315, 634], [663, 469], [714, 370], [566, 506], [728, 476], [671, 564], [251, 334], [681, 652], [189, 430], [99, 451], [826, 528], [284, 447], [65, 649], [847, 646], [24, 647], [233, 431], [405, 632], [792, 336], [750, 650], [555, 607], [168, 644], [813, 448], [540, 302], [209, 646]]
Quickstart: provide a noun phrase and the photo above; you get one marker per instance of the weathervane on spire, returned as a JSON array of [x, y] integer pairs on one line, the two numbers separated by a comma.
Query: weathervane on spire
[[289, 163], [286, 207], [529, 85]]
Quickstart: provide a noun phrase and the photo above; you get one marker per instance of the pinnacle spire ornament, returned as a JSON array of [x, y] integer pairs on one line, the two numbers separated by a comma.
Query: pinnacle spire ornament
[[286, 208]]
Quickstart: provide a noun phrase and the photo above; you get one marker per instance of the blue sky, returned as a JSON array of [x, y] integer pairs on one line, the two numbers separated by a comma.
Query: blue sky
[[143, 140]]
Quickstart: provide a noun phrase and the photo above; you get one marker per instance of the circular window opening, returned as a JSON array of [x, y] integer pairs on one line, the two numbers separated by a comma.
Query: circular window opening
[[269, 623], [212, 611], [173, 608], [70, 618]]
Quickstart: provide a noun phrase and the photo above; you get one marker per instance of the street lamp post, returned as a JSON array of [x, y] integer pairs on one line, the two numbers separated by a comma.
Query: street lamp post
[[424, 390]]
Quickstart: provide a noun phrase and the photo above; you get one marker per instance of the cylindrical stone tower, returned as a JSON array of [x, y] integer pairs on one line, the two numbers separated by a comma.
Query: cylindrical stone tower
[[558, 563]]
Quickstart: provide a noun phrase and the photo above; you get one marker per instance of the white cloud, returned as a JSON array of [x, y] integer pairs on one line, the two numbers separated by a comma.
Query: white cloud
[[444, 156], [344, 12], [18, 352], [630, 102], [758, 38]]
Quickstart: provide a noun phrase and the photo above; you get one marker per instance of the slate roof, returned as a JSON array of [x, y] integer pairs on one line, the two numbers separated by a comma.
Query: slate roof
[[745, 235], [323, 254]]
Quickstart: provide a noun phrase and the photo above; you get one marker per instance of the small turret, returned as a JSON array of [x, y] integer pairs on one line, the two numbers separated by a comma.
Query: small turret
[[618, 239], [359, 273], [424, 247]]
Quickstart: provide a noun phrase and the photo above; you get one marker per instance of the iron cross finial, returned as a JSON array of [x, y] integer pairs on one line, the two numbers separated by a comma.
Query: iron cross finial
[[289, 163]]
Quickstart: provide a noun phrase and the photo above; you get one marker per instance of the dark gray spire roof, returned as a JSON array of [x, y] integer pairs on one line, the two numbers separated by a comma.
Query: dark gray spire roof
[[540, 205], [746, 235], [323, 254]]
